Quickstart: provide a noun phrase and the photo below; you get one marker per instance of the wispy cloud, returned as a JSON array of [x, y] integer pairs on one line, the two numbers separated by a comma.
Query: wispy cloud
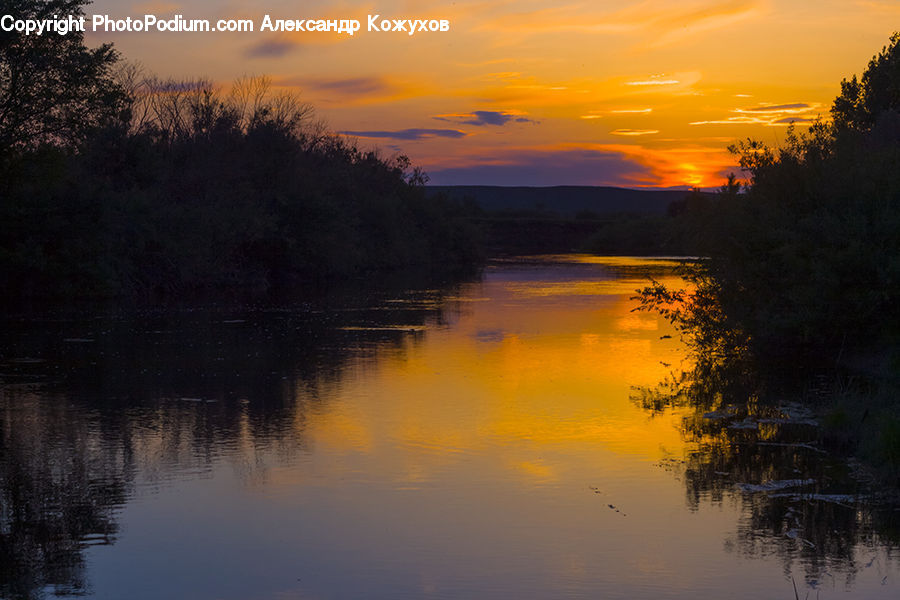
[[407, 134], [665, 21], [768, 115], [634, 132], [732, 121], [353, 86], [275, 48], [599, 114], [792, 120], [697, 18], [797, 107], [480, 118], [350, 90], [681, 82], [653, 81], [768, 122]]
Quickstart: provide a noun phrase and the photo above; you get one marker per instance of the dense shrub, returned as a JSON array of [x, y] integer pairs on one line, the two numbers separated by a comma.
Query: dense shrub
[[192, 187], [805, 261]]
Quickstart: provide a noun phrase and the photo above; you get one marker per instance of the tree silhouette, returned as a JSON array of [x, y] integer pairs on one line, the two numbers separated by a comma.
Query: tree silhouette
[[862, 101], [52, 87]]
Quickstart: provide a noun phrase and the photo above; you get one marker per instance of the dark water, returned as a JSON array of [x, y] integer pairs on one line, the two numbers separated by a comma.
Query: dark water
[[479, 441]]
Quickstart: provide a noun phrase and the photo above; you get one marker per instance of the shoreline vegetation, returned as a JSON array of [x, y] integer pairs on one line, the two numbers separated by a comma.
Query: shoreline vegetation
[[593, 219], [191, 188], [800, 295]]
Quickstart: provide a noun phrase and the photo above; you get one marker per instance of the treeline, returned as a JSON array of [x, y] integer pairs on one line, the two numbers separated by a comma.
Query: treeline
[[123, 184], [669, 234], [600, 220]]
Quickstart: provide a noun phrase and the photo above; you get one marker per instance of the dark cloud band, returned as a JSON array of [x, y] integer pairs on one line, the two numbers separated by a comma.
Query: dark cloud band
[[407, 134]]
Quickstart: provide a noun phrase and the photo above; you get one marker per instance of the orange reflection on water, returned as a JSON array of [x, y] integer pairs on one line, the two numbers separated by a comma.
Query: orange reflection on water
[[531, 383]]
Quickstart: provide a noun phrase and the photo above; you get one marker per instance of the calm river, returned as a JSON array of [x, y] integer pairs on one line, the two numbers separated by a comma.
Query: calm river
[[482, 441]]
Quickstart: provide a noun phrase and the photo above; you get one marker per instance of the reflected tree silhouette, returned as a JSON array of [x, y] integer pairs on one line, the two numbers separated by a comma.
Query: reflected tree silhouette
[[810, 508], [93, 406], [60, 485]]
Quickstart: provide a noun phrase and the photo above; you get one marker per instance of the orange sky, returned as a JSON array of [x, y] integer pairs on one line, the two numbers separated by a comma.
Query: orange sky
[[524, 92]]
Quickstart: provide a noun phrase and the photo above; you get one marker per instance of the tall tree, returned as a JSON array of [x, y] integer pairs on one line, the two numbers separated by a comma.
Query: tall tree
[[52, 87], [863, 101]]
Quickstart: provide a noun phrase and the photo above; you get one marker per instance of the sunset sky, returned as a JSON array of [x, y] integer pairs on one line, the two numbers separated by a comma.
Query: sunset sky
[[524, 92]]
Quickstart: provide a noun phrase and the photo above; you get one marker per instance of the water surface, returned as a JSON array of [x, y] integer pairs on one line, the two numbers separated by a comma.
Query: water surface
[[478, 441]]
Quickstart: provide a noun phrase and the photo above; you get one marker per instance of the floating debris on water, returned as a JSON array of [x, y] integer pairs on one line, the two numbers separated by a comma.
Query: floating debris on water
[[844, 500], [790, 421], [804, 445], [745, 424], [776, 485], [719, 414]]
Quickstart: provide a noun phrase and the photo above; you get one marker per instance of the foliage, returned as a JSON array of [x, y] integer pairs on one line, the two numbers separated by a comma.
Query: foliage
[[52, 88], [196, 187], [862, 102], [678, 232], [643, 235]]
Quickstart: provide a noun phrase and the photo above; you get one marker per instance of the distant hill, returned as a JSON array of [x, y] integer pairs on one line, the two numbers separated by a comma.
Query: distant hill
[[566, 200]]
